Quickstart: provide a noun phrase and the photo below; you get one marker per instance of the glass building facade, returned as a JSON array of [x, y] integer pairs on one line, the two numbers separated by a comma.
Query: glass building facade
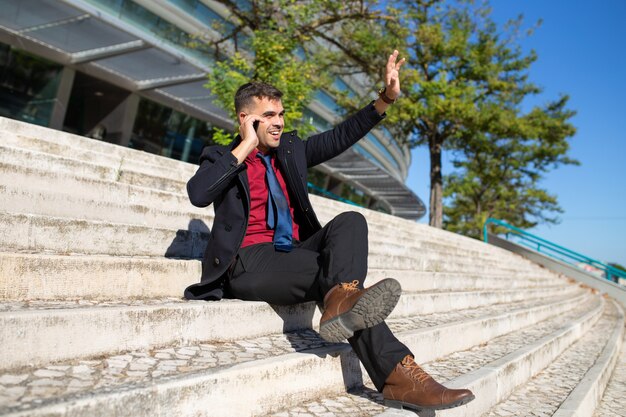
[[28, 86], [129, 72]]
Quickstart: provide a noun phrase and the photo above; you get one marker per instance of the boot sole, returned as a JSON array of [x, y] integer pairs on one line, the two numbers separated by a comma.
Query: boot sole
[[401, 405], [371, 309]]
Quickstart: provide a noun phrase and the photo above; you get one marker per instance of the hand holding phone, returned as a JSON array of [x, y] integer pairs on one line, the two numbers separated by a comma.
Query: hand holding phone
[[248, 129]]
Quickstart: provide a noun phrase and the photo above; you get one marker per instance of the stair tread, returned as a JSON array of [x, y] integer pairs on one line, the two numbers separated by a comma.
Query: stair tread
[[36, 233], [368, 402], [62, 381], [463, 362], [99, 327], [613, 401], [436, 319], [144, 366], [45, 136], [16, 306], [360, 402], [548, 389]]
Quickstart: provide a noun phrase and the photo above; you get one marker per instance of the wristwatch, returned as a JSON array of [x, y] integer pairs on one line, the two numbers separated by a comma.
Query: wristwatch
[[383, 96]]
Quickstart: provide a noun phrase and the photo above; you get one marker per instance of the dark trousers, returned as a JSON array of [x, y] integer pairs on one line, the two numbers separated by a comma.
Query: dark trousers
[[335, 254]]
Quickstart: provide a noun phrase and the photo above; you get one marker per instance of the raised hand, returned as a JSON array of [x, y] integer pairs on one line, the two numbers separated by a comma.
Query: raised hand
[[392, 76]]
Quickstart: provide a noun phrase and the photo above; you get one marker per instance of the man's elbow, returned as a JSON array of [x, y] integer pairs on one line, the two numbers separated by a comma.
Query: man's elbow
[[197, 198]]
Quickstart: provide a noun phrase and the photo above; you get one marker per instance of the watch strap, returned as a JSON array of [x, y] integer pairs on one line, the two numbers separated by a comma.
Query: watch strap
[[383, 96]]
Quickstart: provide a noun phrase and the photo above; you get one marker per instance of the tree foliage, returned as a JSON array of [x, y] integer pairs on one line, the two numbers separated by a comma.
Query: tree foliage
[[465, 85], [464, 91], [278, 49], [499, 173]]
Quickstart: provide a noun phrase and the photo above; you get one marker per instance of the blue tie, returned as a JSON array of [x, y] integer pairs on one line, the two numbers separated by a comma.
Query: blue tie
[[278, 215]]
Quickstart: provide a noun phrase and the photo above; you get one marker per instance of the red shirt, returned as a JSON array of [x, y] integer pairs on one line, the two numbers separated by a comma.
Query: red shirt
[[258, 231]]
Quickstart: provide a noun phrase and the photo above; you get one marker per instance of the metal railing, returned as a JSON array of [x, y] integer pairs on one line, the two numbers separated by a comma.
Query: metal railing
[[555, 251]]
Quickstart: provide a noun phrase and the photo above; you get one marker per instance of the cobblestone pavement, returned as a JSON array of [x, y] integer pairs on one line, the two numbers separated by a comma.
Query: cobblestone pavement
[[25, 388], [463, 362], [614, 400], [430, 320], [542, 395], [362, 402], [368, 402]]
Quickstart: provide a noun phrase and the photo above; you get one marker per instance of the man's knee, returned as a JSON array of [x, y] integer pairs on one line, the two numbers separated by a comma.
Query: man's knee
[[352, 219]]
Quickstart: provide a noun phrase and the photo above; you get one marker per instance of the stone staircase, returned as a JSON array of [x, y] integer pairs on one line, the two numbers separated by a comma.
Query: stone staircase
[[99, 241]]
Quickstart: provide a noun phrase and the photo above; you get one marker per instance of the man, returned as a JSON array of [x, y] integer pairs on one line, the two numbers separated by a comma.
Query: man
[[267, 244]]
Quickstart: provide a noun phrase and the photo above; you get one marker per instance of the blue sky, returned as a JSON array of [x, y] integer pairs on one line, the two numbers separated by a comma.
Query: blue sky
[[581, 47]]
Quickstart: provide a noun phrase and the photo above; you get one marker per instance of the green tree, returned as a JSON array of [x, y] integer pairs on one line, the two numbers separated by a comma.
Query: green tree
[[463, 90], [500, 172], [281, 46], [465, 85]]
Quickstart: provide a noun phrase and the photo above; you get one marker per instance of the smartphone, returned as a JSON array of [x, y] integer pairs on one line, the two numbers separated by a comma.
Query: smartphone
[[255, 125]]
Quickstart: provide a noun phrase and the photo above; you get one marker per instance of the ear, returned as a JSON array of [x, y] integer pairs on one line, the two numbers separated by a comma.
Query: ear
[[242, 115]]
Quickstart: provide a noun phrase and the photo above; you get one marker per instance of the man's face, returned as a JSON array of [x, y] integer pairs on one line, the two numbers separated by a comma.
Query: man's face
[[272, 121]]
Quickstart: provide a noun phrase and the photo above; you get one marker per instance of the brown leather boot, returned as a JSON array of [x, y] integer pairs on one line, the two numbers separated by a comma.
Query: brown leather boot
[[409, 386], [348, 309]]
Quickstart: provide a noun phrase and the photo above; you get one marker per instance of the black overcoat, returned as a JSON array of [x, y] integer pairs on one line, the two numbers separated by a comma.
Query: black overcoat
[[222, 181]]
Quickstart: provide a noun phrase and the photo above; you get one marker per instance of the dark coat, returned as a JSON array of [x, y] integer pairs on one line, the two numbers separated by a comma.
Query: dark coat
[[221, 181]]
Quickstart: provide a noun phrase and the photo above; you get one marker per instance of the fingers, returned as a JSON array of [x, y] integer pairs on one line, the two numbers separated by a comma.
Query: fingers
[[391, 61], [399, 64], [393, 65], [246, 128], [250, 119]]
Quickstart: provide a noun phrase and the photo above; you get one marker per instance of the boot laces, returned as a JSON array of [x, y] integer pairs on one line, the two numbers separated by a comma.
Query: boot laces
[[414, 370], [350, 286]]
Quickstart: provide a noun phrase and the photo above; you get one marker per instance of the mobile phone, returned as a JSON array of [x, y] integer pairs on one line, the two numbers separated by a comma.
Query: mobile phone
[[255, 125]]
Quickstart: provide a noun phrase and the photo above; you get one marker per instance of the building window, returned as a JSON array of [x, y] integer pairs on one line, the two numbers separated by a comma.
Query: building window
[[163, 131], [28, 86]]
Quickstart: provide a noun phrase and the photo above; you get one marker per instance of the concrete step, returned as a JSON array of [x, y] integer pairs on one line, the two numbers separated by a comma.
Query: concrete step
[[418, 245], [105, 167], [438, 263], [500, 379], [585, 398], [146, 170], [48, 277], [54, 331], [613, 401], [33, 191], [369, 402], [45, 234], [396, 229], [555, 384], [123, 172], [123, 159], [57, 142], [360, 401], [429, 281], [106, 177], [181, 381], [34, 233], [480, 326]]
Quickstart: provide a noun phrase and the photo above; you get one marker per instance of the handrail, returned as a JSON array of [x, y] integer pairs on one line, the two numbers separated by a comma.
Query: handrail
[[552, 249]]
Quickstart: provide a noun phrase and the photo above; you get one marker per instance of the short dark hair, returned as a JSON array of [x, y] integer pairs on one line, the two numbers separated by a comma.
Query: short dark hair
[[246, 92]]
